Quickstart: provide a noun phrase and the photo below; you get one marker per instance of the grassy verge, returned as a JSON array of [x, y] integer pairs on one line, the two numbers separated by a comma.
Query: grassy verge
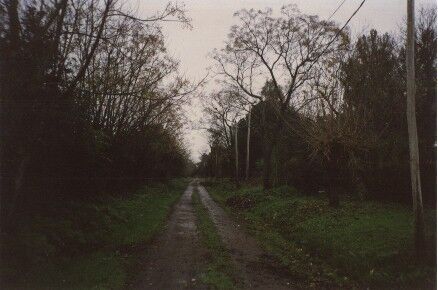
[[87, 246], [220, 271], [361, 244]]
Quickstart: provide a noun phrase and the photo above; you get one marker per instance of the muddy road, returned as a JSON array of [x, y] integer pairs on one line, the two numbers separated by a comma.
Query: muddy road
[[177, 257], [257, 268]]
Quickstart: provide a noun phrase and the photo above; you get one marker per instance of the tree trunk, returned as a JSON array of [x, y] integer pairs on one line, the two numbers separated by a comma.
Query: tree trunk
[[216, 170], [336, 162], [248, 137], [333, 196], [359, 185], [412, 131], [237, 154], [269, 143], [267, 166], [332, 174], [14, 24], [17, 189], [275, 181], [333, 199], [267, 152]]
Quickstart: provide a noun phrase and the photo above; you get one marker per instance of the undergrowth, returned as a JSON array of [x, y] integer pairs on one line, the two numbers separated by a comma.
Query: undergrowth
[[86, 245], [361, 244]]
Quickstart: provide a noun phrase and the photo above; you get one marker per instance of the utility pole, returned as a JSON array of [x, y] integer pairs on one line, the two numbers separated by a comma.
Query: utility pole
[[217, 164], [248, 137], [237, 153], [412, 132]]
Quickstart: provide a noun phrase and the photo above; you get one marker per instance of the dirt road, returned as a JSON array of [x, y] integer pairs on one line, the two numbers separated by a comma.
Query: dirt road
[[257, 268], [175, 259]]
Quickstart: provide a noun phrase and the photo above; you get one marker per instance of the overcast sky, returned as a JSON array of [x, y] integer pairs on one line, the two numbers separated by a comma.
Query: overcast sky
[[212, 19]]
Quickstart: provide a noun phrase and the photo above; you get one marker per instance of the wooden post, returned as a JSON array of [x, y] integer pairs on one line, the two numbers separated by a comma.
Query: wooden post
[[248, 137], [412, 131]]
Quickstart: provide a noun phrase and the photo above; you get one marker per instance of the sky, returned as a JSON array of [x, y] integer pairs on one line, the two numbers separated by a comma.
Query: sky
[[212, 19]]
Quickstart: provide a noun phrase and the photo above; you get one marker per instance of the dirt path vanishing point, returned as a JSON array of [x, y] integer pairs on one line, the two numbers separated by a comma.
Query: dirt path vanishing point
[[175, 258], [256, 268]]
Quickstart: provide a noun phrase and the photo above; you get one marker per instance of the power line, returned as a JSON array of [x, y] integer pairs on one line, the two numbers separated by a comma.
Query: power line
[[337, 34], [316, 38], [336, 10], [333, 39]]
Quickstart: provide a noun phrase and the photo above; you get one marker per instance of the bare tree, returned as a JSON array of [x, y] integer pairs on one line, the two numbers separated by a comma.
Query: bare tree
[[236, 150], [91, 54], [248, 139], [222, 118], [282, 49]]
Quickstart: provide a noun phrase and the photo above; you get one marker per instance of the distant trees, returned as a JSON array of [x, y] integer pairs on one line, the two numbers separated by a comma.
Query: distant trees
[[425, 57], [329, 113], [221, 119], [281, 49], [90, 101]]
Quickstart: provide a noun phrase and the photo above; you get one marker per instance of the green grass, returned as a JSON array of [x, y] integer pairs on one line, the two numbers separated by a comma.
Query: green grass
[[89, 246], [220, 272], [361, 244]]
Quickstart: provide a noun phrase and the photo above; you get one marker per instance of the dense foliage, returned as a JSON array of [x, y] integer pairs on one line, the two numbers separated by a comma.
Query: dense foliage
[[343, 130], [90, 110], [90, 102], [86, 245]]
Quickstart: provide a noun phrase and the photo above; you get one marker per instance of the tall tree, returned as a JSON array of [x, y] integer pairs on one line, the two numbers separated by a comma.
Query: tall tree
[[74, 75], [281, 49]]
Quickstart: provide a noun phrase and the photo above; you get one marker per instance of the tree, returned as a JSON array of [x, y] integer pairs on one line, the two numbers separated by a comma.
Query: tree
[[248, 141], [81, 81], [282, 49], [222, 119], [372, 80]]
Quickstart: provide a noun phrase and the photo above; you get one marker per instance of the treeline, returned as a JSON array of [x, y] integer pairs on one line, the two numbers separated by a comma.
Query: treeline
[[90, 103], [325, 111]]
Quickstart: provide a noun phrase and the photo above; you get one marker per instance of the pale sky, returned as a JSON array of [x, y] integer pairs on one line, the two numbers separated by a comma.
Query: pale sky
[[212, 19]]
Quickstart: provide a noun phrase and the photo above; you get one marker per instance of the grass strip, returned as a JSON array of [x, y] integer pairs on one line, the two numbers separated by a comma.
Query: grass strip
[[220, 271]]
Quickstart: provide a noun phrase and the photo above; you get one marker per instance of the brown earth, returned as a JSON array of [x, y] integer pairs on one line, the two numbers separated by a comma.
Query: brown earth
[[257, 268], [176, 258]]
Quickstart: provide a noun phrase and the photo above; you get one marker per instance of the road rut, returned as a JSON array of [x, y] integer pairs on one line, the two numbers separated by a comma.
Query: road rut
[[175, 258], [256, 267]]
